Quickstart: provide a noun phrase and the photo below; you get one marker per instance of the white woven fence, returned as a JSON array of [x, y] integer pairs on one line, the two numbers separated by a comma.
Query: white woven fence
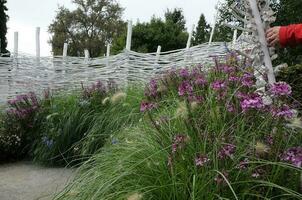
[[26, 73]]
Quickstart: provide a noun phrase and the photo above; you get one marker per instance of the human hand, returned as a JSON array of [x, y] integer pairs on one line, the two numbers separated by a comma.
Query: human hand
[[272, 36]]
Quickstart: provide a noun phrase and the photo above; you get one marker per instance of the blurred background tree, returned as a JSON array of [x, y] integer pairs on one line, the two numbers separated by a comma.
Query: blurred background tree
[[93, 24], [202, 32], [3, 26], [170, 33]]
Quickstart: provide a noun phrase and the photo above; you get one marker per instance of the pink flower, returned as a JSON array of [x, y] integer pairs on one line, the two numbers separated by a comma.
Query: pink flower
[[185, 88], [227, 150], [178, 142], [252, 101], [293, 156], [146, 106], [280, 89], [247, 80], [184, 73], [201, 160], [219, 85], [283, 112]]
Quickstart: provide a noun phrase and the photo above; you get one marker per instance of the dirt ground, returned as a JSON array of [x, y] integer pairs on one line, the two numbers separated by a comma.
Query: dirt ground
[[26, 181]]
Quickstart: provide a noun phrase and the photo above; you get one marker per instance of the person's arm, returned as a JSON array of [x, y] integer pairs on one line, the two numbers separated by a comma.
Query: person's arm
[[285, 35], [290, 35]]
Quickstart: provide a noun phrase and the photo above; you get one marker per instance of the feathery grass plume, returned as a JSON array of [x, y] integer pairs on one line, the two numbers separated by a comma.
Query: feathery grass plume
[[106, 100], [182, 111], [261, 149], [135, 196], [118, 97]]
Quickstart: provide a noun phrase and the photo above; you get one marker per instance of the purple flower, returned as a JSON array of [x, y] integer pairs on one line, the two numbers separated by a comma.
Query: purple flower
[[152, 89], [243, 164], [280, 89], [252, 101], [184, 73], [283, 112], [269, 139], [185, 88], [201, 160], [219, 85], [227, 150], [233, 78], [197, 99], [200, 81], [147, 106], [230, 108], [293, 156], [179, 142], [247, 80]]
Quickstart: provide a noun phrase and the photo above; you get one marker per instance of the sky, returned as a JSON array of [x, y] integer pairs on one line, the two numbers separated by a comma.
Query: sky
[[26, 15]]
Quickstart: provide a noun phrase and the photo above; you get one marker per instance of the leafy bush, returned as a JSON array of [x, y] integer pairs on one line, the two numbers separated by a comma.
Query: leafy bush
[[203, 136], [293, 76]]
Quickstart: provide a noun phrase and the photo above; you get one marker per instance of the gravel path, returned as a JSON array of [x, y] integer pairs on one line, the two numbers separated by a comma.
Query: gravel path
[[25, 181]]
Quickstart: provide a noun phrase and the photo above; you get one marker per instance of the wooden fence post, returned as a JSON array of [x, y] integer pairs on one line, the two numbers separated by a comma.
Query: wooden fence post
[[16, 40], [38, 42], [190, 37], [65, 48], [129, 35]]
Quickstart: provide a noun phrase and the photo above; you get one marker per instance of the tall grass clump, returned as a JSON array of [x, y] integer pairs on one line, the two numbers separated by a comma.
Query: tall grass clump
[[210, 135], [77, 125]]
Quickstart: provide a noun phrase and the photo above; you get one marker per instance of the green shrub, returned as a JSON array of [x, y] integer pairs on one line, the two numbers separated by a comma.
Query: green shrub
[[293, 76]]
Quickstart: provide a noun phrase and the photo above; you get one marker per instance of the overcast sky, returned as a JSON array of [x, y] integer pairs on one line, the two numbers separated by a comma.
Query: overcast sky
[[26, 15]]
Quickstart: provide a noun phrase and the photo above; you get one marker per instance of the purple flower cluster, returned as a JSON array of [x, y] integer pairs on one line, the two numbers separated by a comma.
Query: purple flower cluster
[[23, 106], [280, 89], [283, 112], [219, 85], [184, 73], [147, 106], [243, 164], [185, 88], [201, 160], [179, 142], [293, 156], [251, 101], [97, 88], [247, 80], [151, 90], [227, 151], [200, 81]]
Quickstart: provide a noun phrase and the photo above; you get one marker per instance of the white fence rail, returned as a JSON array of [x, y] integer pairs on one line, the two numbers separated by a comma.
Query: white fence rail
[[23, 73]]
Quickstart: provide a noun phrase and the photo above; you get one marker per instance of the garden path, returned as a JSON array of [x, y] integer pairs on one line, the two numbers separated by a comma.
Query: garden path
[[26, 181]]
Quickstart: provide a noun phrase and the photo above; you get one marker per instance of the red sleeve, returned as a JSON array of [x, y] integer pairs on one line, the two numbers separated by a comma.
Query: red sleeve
[[290, 35]]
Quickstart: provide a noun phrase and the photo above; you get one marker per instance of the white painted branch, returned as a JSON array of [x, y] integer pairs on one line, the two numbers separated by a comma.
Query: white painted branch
[[235, 36], [108, 50], [262, 40], [86, 53], [65, 48], [190, 37], [16, 40], [38, 42], [129, 35]]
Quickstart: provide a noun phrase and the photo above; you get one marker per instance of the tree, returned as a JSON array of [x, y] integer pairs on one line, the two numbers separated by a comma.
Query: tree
[[93, 24], [3, 27], [202, 33], [169, 33]]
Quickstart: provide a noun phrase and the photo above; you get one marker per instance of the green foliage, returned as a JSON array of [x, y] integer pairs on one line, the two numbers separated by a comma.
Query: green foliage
[[202, 33], [293, 76], [3, 26], [169, 33], [93, 24], [166, 155], [289, 12]]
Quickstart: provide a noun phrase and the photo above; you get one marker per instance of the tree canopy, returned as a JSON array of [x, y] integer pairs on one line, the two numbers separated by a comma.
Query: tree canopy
[[170, 33], [3, 26], [91, 26], [202, 32]]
